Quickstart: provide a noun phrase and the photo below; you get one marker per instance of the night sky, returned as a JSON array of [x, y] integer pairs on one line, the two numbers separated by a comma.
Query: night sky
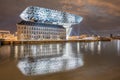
[[99, 15]]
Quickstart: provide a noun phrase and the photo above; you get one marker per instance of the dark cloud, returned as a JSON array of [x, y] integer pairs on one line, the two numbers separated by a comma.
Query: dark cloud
[[98, 15]]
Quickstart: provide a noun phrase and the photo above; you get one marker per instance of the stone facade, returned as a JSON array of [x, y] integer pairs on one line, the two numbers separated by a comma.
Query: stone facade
[[27, 30]]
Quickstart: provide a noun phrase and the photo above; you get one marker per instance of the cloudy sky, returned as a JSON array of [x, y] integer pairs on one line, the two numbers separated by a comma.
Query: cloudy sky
[[99, 15]]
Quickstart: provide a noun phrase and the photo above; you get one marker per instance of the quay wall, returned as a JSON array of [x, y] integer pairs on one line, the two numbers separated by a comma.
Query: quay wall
[[47, 41]]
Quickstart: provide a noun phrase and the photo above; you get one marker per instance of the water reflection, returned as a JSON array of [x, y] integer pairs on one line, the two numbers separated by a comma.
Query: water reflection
[[118, 47], [42, 59], [93, 47], [101, 47], [50, 58], [38, 51]]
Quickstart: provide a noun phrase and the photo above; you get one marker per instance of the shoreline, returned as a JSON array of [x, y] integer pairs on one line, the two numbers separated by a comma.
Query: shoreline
[[47, 41]]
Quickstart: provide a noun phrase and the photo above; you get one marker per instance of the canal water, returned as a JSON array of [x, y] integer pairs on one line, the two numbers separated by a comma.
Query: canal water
[[61, 61]]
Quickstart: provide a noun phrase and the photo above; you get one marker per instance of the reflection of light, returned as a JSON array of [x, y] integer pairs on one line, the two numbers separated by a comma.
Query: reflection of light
[[78, 47], [22, 48], [92, 46], [37, 66], [99, 47], [25, 51], [33, 48], [118, 47], [58, 49], [16, 51], [87, 46], [68, 51]]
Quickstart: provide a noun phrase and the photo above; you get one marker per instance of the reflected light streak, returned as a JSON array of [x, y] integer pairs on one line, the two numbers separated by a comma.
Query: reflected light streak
[[118, 47], [16, 51], [78, 47], [92, 47], [67, 51], [99, 47]]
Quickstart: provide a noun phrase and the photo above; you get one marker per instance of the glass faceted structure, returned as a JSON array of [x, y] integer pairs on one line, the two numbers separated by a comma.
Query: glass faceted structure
[[36, 14]]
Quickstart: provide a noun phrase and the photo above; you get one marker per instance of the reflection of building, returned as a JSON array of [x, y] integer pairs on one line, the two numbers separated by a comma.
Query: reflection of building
[[49, 65], [38, 51], [38, 31], [6, 35], [30, 64]]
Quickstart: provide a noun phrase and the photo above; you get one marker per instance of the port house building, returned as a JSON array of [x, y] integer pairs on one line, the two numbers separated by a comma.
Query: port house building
[[27, 30]]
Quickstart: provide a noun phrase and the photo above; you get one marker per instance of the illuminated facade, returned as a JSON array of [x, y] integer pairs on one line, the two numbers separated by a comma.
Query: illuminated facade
[[48, 16], [27, 30], [4, 34], [7, 36]]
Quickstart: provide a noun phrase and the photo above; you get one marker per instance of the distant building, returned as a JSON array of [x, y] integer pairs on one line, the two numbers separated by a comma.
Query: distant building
[[4, 34], [27, 30], [73, 37], [7, 36]]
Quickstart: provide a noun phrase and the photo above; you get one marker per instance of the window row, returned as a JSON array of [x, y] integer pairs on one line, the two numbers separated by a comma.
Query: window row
[[40, 28], [46, 32]]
